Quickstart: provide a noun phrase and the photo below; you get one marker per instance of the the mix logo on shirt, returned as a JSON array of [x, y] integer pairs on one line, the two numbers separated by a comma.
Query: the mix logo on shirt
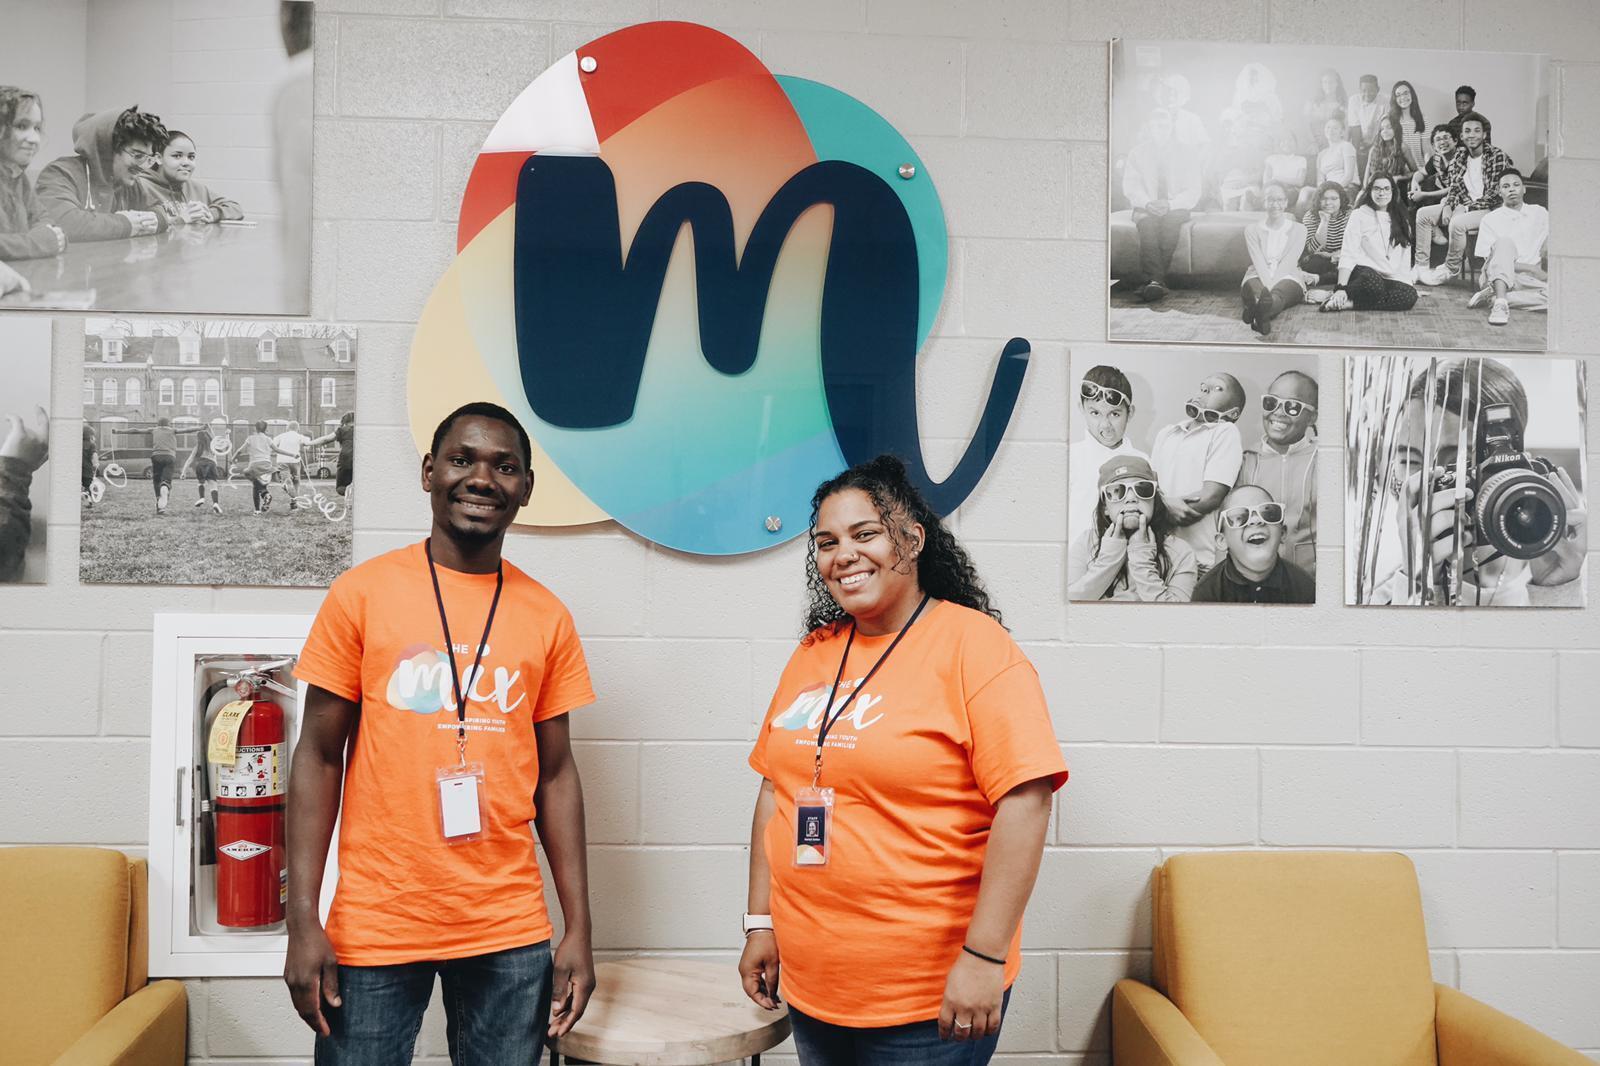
[[421, 682], [806, 712]]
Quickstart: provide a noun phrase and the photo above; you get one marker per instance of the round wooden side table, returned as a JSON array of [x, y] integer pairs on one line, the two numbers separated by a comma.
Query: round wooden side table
[[670, 1012]]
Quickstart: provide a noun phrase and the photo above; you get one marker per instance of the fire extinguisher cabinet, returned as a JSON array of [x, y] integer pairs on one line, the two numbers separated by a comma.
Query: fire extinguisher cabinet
[[225, 713]]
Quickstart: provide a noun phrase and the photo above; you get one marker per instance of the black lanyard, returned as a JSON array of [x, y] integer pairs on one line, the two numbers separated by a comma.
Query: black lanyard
[[827, 721], [450, 648]]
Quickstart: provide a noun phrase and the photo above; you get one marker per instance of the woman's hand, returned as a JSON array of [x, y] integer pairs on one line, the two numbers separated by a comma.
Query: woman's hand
[[28, 444], [972, 996], [758, 969], [1141, 538]]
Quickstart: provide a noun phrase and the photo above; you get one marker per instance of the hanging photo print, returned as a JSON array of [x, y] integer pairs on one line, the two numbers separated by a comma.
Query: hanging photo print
[[24, 449], [1192, 477], [1465, 482], [217, 452], [1330, 195]]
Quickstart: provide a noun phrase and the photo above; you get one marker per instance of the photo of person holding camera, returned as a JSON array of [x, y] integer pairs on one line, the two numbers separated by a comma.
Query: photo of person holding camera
[[1466, 482]]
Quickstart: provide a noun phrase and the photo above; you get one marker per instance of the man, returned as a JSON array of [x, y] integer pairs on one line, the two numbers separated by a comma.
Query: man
[[163, 457], [286, 449], [1473, 192], [94, 194], [1361, 115], [1161, 178], [1251, 569], [462, 742], [1285, 462], [1511, 241], [1466, 103]]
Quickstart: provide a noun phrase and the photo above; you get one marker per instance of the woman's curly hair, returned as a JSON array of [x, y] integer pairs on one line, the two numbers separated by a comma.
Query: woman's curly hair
[[943, 568]]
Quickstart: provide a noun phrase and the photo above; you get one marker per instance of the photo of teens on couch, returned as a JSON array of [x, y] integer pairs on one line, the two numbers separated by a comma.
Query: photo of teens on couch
[[1328, 195], [156, 157]]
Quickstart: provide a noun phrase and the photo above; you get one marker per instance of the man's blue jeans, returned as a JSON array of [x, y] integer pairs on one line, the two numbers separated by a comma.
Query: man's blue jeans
[[497, 1007], [820, 1043]]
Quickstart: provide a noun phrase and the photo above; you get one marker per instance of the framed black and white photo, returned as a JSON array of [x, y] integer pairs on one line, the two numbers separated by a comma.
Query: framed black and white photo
[[1192, 476], [217, 452], [24, 448], [155, 156], [1328, 195], [1465, 481]]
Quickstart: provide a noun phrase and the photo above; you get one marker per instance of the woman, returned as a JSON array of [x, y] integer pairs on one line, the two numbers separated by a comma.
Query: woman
[[1130, 554], [24, 233], [889, 868], [1328, 102], [1272, 282], [1375, 271], [1406, 114], [1324, 224], [1390, 158]]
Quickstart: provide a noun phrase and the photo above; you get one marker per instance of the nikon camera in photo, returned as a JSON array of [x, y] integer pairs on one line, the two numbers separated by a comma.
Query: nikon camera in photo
[[1466, 482], [217, 452]]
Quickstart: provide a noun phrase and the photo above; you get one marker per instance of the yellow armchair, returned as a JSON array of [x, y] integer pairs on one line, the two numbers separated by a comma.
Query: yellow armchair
[[74, 974], [1303, 959]]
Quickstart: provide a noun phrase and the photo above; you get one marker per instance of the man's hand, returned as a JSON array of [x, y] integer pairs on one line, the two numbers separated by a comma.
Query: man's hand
[[312, 973], [29, 443], [144, 222], [11, 281], [572, 984], [1179, 507]]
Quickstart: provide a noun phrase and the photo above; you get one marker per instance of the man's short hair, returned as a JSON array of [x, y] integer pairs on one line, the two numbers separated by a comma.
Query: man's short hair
[[1303, 376], [1473, 116], [1509, 171], [1367, 79], [163, 421], [1443, 127], [484, 409], [1111, 378], [134, 126], [1469, 90]]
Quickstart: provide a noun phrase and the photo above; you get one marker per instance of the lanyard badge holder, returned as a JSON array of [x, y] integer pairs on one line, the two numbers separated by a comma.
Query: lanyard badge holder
[[813, 806], [462, 786]]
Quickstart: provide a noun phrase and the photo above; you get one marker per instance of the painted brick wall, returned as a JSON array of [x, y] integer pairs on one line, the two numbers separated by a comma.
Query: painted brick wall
[[1222, 727]]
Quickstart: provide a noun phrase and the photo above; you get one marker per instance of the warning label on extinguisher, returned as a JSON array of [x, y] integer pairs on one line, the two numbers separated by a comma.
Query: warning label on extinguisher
[[243, 849], [255, 773]]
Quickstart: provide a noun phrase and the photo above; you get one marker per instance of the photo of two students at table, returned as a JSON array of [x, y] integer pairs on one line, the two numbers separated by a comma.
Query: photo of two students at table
[[128, 172]]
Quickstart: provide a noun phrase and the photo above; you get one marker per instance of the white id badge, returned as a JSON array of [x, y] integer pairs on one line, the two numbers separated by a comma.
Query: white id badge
[[813, 818], [461, 802]]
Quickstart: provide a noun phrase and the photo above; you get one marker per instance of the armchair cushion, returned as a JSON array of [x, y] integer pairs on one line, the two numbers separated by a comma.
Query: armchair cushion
[[1315, 958], [1472, 1034], [1147, 1030]]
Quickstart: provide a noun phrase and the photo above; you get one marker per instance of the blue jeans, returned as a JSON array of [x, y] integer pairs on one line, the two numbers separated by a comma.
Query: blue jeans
[[496, 1007], [820, 1043]]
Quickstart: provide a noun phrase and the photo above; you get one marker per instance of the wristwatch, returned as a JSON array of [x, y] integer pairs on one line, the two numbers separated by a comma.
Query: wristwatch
[[752, 922]]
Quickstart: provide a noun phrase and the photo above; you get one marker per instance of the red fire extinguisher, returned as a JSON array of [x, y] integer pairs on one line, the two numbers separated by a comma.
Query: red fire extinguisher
[[248, 806]]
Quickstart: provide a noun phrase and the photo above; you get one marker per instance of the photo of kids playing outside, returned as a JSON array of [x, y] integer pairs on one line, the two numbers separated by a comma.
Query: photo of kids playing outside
[[217, 452], [1465, 482], [156, 156], [1192, 477]]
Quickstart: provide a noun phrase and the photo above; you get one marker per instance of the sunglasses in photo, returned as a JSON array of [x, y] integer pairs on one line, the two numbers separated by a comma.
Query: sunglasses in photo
[[1097, 393], [1118, 491], [1208, 416], [1292, 408], [1269, 513]]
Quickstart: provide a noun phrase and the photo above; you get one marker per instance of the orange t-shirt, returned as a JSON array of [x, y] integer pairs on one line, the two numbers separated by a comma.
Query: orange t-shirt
[[953, 720], [404, 895]]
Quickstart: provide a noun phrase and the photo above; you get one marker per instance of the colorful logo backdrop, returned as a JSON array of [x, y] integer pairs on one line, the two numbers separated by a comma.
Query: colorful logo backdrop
[[702, 287]]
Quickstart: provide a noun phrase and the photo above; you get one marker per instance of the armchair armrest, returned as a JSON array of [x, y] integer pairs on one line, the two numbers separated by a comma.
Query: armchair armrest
[[149, 1028], [1474, 1034], [1147, 1030]]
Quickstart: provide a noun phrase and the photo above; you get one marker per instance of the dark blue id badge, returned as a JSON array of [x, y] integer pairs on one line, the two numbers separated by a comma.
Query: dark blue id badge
[[813, 809]]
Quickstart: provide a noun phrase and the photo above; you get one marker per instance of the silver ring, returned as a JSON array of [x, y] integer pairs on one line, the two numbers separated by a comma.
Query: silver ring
[[960, 1026]]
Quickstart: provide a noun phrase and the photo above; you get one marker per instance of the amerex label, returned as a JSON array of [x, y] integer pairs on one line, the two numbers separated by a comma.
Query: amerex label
[[243, 849], [256, 773]]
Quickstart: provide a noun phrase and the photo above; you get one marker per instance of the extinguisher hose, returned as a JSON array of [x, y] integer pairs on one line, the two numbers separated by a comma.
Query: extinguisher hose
[[206, 817]]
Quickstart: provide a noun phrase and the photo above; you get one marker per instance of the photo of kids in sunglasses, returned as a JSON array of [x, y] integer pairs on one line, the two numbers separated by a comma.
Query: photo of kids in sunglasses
[[1206, 491]]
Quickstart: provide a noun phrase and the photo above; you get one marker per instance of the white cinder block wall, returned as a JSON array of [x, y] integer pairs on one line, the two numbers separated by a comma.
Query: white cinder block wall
[[1470, 741]]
